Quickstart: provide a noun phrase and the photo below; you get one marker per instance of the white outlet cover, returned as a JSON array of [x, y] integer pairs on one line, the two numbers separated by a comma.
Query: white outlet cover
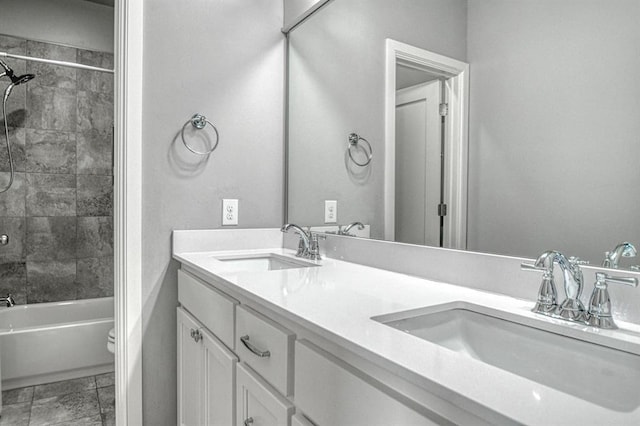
[[330, 211], [229, 212]]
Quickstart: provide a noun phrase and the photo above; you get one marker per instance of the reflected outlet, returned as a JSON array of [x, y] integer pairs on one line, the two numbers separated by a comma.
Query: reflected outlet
[[330, 211], [229, 212]]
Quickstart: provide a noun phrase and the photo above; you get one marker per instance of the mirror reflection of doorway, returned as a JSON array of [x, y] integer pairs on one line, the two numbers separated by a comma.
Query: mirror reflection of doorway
[[419, 185]]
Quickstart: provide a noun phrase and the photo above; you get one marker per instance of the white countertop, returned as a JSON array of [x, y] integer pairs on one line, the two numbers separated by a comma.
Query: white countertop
[[339, 298]]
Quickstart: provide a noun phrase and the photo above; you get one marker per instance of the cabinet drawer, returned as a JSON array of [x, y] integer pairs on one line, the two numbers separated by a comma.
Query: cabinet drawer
[[267, 347], [258, 403], [213, 309], [299, 420], [332, 392]]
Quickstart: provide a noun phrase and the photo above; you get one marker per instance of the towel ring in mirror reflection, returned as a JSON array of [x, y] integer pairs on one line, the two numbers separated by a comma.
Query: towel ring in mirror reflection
[[354, 142], [199, 121]]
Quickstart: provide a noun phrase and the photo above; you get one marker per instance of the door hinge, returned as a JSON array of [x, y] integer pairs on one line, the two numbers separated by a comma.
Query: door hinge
[[444, 109], [442, 210]]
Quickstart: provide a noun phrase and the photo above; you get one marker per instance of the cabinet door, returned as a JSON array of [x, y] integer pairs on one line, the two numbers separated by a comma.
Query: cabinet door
[[206, 371], [219, 365], [189, 372], [259, 404]]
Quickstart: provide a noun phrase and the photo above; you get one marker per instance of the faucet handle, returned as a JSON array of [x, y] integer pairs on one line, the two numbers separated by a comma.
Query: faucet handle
[[599, 314], [547, 302], [576, 261]]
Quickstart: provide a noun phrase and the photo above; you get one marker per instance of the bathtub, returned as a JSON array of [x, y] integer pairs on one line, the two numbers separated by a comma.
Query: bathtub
[[48, 342]]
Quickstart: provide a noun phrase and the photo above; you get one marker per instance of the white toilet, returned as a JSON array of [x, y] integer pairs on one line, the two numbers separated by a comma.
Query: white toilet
[[111, 340]]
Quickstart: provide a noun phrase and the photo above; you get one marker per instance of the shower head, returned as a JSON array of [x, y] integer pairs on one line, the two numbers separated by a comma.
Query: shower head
[[15, 79]]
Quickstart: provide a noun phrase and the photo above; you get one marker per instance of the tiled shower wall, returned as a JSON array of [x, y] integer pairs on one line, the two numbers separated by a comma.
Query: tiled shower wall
[[59, 212]]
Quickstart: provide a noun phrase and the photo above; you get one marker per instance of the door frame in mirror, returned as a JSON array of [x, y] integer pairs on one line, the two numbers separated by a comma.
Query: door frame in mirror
[[456, 74]]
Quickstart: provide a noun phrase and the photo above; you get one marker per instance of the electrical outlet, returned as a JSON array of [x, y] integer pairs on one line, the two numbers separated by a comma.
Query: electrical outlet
[[229, 212], [330, 211]]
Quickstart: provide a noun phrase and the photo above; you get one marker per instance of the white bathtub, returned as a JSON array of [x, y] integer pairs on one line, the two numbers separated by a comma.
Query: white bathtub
[[47, 342]]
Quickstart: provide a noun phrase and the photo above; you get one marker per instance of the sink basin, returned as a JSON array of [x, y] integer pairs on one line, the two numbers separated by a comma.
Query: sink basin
[[261, 262], [601, 375]]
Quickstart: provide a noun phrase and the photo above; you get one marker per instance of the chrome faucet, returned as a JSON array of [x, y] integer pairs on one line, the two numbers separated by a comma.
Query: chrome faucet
[[304, 244], [612, 258], [571, 308], [8, 300], [349, 227]]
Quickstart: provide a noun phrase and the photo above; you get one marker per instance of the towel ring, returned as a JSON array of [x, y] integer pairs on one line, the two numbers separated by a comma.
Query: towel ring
[[354, 141], [199, 121]]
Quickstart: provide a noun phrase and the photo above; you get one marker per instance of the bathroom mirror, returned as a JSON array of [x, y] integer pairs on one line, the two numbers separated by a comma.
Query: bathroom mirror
[[553, 128]]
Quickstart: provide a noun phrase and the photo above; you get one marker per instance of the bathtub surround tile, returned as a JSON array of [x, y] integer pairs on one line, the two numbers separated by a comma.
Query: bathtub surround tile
[[64, 387], [106, 379], [95, 81], [14, 228], [51, 51], [95, 237], [15, 396], [51, 195], [51, 238], [64, 408], [109, 418], [95, 420], [95, 195], [13, 280], [17, 137], [13, 201], [17, 46], [95, 152], [95, 278], [95, 111], [50, 151], [16, 414], [51, 281], [51, 108], [48, 75]]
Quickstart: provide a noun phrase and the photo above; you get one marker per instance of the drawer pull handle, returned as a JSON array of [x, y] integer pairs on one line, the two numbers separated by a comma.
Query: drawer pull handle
[[248, 421], [253, 349], [196, 335]]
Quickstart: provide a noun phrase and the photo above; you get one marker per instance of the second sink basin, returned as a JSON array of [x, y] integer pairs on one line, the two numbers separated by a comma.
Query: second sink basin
[[599, 374], [261, 262]]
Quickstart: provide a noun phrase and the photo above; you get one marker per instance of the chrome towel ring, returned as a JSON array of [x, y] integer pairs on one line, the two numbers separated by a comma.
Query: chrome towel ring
[[199, 121], [354, 141]]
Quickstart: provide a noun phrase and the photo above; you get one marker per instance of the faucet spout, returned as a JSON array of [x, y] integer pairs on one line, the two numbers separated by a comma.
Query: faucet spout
[[612, 258], [305, 238]]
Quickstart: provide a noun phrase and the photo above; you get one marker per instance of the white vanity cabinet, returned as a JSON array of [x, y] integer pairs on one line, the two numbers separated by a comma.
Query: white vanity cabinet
[[206, 373], [259, 404]]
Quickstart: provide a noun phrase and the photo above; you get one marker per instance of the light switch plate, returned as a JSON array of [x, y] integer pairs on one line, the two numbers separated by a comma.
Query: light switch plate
[[330, 211], [229, 212]]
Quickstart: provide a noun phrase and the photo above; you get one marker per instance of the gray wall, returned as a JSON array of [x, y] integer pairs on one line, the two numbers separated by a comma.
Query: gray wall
[[336, 87], [224, 59], [554, 127], [294, 8], [75, 23], [58, 212]]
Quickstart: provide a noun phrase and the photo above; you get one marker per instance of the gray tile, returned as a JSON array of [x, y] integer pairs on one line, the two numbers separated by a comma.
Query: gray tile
[[51, 195], [106, 379], [64, 408], [95, 81], [51, 108], [64, 387], [17, 142], [95, 237], [48, 75], [50, 151], [16, 107], [51, 238], [13, 279], [95, 277], [52, 281], [95, 111], [14, 228], [107, 398], [13, 201], [15, 396], [109, 418], [15, 414], [95, 152], [51, 51], [96, 59], [17, 46], [95, 420], [95, 195]]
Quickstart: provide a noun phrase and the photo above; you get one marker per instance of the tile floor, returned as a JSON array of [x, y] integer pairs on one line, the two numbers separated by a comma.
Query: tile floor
[[88, 401]]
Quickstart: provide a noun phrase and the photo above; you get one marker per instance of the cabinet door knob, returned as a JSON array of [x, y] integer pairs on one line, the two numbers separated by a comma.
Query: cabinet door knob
[[254, 349], [196, 335], [248, 421]]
